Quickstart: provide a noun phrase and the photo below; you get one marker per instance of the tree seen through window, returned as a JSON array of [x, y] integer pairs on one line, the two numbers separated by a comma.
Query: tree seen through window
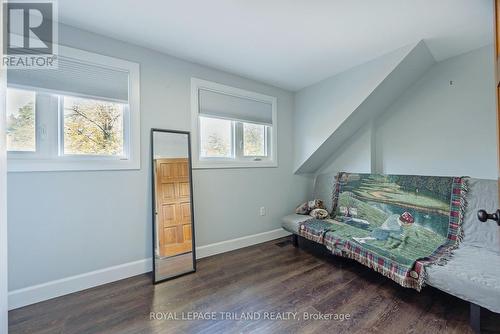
[[93, 127]]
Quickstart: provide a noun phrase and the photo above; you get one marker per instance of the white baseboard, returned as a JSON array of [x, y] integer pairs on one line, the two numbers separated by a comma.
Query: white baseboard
[[40, 292], [229, 245]]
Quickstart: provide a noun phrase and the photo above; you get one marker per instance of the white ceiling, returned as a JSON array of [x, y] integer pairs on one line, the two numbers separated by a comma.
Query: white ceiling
[[286, 43]]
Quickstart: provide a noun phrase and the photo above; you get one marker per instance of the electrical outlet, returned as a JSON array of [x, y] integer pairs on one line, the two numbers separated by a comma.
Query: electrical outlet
[[262, 210]]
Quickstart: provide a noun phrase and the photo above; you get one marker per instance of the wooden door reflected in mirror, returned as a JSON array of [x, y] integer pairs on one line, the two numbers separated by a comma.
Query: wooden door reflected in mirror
[[173, 224]]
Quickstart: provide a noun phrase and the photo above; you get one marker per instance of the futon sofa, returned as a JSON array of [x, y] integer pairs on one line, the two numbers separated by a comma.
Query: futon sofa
[[473, 271]]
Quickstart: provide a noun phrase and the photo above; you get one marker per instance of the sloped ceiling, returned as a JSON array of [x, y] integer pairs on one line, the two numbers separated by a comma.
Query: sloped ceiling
[[328, 113], [289, 44]]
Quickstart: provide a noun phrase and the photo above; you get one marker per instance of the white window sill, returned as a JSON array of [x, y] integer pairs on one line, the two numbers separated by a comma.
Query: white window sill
[[233, 164], [25, 165]]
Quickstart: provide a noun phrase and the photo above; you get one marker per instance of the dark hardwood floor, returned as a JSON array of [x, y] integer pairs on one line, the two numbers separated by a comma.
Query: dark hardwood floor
[[265, 278]]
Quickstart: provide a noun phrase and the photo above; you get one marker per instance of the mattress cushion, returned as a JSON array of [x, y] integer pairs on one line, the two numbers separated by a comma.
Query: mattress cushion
[[471, 274], [291, 223], [482, 194]]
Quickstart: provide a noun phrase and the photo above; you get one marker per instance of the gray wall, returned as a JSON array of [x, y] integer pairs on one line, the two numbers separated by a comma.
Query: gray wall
[[434, 128], [170, 145], [68, 223], [353, 156], [322, 108], [442, 129]]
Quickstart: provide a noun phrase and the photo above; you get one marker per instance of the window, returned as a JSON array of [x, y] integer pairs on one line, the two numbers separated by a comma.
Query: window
[[21, 126], [216, 137], [92, 127], [255, 140], [232, 127], [84, 115]]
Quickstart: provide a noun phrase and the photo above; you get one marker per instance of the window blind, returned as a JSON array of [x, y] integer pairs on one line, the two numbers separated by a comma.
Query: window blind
[[77, 77], [214, 104]]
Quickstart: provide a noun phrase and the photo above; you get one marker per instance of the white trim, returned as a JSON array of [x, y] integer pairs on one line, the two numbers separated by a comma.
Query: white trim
[[229, 245], [196, 85], [3, 197], [40, 292], [132, 142]]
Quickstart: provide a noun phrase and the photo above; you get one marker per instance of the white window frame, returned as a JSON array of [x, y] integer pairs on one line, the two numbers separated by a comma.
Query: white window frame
[[49, 157], [238, 161]]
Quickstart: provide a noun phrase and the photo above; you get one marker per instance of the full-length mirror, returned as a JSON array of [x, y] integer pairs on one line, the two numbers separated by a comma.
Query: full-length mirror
[[173, 221]]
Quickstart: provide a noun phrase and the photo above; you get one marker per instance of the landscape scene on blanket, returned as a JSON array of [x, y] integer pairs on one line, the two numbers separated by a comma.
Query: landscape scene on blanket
[[400, 217]]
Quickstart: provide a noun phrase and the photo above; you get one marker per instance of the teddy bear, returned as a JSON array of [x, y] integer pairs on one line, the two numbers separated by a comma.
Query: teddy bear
[[314, 208]]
